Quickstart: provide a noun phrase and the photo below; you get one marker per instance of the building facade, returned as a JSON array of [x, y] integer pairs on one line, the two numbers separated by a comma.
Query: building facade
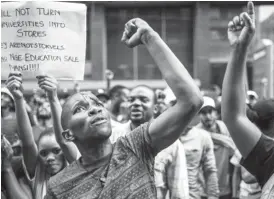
[[195, 31]]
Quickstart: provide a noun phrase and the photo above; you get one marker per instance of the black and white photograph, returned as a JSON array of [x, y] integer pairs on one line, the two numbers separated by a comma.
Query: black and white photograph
[[137, 99]]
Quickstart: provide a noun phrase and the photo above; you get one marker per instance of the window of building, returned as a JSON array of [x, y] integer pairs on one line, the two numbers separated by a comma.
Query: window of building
[[173, 24]]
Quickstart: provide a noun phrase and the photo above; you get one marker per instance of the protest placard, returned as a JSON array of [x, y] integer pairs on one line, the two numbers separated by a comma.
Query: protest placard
[[40, 37]]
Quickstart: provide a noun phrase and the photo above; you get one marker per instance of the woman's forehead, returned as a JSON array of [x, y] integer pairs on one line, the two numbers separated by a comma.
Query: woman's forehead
[[81, 97], [47, 142]]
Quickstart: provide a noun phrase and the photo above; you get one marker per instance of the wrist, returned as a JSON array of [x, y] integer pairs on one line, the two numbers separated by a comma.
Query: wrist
[[149, 36], [53, 97], [18, 99], [6, 167]]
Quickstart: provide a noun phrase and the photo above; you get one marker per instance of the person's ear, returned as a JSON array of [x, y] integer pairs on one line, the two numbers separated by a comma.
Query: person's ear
[[68, 135], [156, 109]]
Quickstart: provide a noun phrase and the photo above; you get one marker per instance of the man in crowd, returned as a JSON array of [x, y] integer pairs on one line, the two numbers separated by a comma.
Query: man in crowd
[[125, 169], [223, 145], [118, 95], [170, 164], [199, 152], [252, 97]]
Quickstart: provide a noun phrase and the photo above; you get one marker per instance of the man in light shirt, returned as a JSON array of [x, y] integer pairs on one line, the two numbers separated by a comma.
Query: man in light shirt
[[170, 164], [199, 152]]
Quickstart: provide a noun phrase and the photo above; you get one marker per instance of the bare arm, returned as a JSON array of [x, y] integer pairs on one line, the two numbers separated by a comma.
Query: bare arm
[[49, 84], [30, 151], [13, 188], [166, 128], [244, 133]]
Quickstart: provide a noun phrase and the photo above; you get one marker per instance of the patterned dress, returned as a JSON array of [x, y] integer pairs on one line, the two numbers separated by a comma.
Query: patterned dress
[[127, 174]]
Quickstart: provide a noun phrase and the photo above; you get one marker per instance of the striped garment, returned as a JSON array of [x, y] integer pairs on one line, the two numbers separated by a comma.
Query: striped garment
[[128, 174]]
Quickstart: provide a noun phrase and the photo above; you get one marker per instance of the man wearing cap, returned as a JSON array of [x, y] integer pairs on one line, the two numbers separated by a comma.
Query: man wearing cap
[[252, 97], [223, 145]]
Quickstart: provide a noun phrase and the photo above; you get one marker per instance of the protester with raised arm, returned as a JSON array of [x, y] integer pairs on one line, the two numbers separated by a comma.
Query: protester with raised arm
[[256, 149], [13, 188], [49, 84], [41, 160], [125, 169]]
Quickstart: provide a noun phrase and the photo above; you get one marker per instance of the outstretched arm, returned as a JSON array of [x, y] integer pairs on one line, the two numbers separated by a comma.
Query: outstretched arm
[[244, 133], [30, 151], [165, 129], [49, 84]]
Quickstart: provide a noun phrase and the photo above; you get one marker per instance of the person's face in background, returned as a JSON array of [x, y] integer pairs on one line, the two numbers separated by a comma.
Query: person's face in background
[[121, 97], [141, 105], [208, 116], [51, 154], [44, 111], [161, 107], [16, 160], [6, 100]]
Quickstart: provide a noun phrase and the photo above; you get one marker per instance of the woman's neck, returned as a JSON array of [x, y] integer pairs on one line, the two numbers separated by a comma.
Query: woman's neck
[[92, 152], [46, 123]]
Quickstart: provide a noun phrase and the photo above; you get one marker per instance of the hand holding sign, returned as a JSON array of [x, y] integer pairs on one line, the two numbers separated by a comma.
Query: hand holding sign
[[49, 84], [242, 29], [14, 84]]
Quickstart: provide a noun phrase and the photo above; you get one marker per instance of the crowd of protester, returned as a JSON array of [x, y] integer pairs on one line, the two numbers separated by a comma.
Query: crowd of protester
[[176, 143]]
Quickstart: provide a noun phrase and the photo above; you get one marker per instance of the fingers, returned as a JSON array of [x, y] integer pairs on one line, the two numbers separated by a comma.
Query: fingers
[[13, 85], [231, 26], [14, 73], [247, 20], [46, 87], [251, 11], [124, 37], [129, 31], [238, 23], [11, 78], [46, 82]]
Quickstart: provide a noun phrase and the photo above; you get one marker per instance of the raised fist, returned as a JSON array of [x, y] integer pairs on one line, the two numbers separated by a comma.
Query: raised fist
[[14, 84], [136, 32], [242, 28]]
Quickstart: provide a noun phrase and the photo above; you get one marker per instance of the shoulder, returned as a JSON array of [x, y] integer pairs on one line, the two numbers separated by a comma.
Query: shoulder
[[201, 133], [65, 175], [223, 127]]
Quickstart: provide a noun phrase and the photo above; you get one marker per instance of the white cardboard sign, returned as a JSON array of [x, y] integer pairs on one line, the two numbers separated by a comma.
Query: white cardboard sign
[[43, 38]]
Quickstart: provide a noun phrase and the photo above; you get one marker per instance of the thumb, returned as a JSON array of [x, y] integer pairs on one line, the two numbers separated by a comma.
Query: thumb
[[135, 39], [248, 21]]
